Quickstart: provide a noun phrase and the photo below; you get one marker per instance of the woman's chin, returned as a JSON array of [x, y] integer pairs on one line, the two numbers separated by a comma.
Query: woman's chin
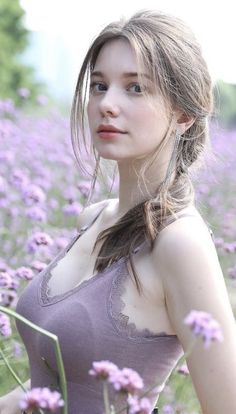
[[109, 155]]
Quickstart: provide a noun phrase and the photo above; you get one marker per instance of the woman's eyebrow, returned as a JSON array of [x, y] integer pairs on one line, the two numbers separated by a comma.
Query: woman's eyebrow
[[124, 75]]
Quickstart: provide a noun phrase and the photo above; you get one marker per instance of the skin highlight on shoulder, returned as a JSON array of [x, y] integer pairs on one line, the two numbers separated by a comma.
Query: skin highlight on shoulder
[[89, 212]]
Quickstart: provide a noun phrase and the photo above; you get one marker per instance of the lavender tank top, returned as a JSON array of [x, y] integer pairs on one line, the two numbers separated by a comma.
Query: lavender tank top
[[90, 327]]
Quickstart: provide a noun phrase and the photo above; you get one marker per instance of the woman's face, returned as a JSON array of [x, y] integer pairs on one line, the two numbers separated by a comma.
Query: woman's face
[[118, 100]]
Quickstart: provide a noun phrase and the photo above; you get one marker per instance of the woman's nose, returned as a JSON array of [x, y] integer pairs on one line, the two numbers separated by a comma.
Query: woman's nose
[[108, 103]]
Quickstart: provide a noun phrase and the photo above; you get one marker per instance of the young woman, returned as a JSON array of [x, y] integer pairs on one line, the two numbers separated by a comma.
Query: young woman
[[142, 261]]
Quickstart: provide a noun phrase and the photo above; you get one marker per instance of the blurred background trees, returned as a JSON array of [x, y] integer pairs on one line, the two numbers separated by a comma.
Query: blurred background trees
[[18, 80], [225, 98], [14, 38]]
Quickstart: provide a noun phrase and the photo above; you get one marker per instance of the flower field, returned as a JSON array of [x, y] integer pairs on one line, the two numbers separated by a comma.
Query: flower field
[[41, 194]]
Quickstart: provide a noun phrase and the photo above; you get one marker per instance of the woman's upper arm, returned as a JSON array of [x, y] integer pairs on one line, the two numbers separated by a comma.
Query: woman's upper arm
[[193, 280]]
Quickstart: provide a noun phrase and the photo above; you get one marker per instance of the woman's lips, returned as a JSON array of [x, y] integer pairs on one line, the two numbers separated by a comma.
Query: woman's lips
[[110, 134]]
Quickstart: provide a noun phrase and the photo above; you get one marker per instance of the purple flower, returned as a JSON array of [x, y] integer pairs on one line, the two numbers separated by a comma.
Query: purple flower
[[232, 272], [39, 239], [13, 211], [168, 409], [24, 273], [138, 406], [5, 280], [36, 213], [103, 369], [61, 242], [3, 185], [5, 326], [229, 247], [53, 203], [8, 297], [43, 183], [219, 242], [17, 349], [3, 266], [7, 106], [33, 194], [19, 179], [183, 370], [126, 380], [70, 194], [72, 209], [23, 92], [4, 203], [84, 187], [39, 266], [202, 324], [41, 398], [42, 99]]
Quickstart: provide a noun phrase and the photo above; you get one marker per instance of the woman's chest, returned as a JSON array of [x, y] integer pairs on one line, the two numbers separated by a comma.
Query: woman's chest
[[146, 311]]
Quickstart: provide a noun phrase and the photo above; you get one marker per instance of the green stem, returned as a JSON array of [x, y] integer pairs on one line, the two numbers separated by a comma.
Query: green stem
[[62, 378], [140, 396], [113, 409], [181, 384], [12, 371], [106, 398], [14, 374], [188, 352]]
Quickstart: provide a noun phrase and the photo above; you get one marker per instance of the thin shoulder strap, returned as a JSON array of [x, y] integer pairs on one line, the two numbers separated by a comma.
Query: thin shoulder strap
[[63, 252], [84, 228]]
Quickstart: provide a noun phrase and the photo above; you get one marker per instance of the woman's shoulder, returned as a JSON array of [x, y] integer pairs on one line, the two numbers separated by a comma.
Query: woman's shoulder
[[184, 236], [89, 212], [186, 218], [190, 228]]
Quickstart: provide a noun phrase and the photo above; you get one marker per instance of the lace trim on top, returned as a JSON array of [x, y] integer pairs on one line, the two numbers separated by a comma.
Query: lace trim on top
[[116, 305], [44, 289]]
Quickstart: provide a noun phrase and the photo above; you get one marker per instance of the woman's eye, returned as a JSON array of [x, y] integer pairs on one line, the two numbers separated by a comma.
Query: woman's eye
[[136, 84], [94, 84]]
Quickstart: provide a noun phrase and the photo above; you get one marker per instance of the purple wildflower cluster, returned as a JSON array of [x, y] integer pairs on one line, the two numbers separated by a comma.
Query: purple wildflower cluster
[[41, 398], [203, 325], [24, 273], [103, 369], [7, 280], [40, 189], [5, 326], [8, 296], [125, 381], [138, 405], [168, 409], [39, 239], [232, 272], [10, 281]]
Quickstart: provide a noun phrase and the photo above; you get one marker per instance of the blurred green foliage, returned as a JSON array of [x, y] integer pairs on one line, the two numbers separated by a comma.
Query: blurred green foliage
[[14, 74], [225, 103], [14, 38]]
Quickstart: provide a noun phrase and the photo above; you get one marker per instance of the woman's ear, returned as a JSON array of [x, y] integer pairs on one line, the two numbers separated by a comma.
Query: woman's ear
[[184, 122]]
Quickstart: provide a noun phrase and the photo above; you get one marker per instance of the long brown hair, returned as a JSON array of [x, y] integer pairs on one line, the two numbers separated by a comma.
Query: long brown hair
[[166, 47]]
